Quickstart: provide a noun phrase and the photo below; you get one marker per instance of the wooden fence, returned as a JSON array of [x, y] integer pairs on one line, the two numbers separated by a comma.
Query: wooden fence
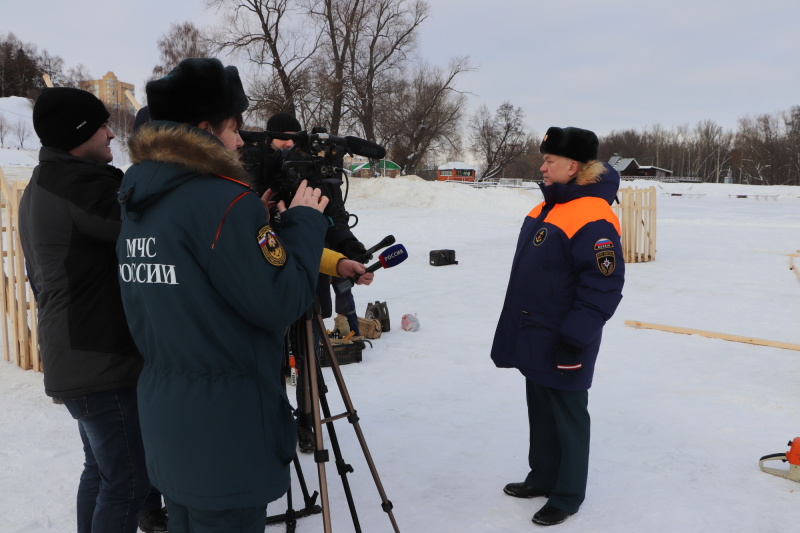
[[637, 215], [18, 331]]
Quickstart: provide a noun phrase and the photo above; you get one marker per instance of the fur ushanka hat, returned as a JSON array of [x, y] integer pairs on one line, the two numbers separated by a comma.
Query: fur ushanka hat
[[197, 89], [574, 143]]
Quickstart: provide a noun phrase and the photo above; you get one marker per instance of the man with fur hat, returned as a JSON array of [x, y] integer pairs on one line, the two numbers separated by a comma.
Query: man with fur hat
[[69, 224], [566, 282], [209, 287]]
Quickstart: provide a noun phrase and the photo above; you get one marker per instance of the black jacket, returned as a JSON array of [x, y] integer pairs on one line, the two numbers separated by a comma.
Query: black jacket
[[69, 223]]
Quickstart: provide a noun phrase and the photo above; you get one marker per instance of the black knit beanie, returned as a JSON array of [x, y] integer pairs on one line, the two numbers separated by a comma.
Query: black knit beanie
[[574, 143], [64, 117], [197, 89], [282, 122]]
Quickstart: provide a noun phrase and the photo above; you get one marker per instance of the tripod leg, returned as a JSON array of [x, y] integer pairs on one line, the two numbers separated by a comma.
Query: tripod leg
[[341, 466], [320, 455], [352, 417]]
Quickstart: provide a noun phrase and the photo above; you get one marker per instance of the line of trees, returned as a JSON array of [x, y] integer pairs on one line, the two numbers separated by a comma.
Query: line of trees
[[18, 130], [349, 66], [22, 68], [352, 67], [763, 150]]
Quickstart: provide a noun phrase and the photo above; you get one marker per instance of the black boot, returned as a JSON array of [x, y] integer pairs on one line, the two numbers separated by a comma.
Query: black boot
[[305, 439], [521, 490], [550, 515], [153, 520]]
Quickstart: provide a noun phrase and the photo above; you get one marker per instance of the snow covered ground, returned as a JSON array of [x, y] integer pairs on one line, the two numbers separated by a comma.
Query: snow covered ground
[[679, 421]]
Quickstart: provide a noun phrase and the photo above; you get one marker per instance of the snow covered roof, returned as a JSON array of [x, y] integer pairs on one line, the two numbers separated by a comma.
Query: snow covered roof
[[458, 165], [654, 168], [620, 163]]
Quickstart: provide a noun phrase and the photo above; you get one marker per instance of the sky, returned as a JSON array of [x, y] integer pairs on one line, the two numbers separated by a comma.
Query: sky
[[604, 66], [679, 422]]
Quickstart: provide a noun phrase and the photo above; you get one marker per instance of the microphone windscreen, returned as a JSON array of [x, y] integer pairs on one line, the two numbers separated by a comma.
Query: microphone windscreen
[[365, 148], [393, 256]]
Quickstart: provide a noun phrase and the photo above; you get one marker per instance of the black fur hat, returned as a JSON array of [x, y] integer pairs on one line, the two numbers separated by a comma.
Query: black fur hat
[[574, 143], [64, 117], [283, 122], [197, 89]]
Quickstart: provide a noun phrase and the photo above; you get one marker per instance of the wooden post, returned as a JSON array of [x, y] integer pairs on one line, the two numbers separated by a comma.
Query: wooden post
[[47, 80], [4, 296], [21, 340], [136, 105]]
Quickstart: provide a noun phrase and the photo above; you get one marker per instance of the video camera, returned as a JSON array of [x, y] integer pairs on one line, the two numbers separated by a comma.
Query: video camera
[[316, 157]]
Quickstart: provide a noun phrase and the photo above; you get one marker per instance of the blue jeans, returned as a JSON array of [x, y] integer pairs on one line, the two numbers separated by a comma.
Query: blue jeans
[[114, 484]]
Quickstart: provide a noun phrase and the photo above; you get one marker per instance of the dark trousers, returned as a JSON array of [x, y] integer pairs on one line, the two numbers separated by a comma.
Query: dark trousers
[[559, 444], [183, 519], [114, 486], [345, 304]]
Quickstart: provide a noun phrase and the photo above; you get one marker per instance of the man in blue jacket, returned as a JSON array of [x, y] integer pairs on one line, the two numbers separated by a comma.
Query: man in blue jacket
[[566, 282]]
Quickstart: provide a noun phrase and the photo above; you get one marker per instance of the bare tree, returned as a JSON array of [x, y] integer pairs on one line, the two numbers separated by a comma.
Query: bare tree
[[499, 139], [265, 34], [758, 141], [4, 129], [386, 39], [792, 121], [77, 76], [53, 66], [341, 22], [423, 115], [22, 132], [180, 42]]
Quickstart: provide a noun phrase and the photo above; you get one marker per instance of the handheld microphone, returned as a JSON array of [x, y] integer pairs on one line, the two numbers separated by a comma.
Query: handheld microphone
[[392, 256], [367, 255]]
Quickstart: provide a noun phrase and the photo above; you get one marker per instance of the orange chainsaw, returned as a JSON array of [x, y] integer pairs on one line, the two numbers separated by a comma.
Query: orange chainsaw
[[792, 457]]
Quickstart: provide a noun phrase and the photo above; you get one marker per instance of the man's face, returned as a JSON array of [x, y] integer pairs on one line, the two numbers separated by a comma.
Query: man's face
[[98, 146], [280, 144], [557, 169]]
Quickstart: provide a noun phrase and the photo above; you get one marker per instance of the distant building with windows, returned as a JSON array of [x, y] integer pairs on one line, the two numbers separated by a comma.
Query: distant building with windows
[[455, 171], [110, 90], [629, 168]]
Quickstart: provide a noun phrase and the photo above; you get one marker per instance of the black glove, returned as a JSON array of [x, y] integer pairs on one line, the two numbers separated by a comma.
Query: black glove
[[568, 359], [352, 248]]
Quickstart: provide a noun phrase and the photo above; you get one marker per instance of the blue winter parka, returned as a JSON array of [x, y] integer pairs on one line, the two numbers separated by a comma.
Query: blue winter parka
[[566, 280], [209, 289]]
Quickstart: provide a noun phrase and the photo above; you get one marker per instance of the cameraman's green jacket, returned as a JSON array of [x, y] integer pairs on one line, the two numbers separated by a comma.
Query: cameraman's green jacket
[[209, 288]]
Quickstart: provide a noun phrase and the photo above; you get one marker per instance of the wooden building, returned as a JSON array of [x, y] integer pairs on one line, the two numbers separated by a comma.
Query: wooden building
[[455, 171]]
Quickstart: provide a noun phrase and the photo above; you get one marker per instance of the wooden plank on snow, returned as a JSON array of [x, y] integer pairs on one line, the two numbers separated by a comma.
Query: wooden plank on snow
[[714, 335]]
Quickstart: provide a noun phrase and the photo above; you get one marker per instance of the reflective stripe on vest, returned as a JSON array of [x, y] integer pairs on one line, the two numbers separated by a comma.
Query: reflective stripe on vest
[[572, 216]]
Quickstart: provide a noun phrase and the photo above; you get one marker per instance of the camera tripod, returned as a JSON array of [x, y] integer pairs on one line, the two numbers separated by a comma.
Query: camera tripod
[[314, 392]]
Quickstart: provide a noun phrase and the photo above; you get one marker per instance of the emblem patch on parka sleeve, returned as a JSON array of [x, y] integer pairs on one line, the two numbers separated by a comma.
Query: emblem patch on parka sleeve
[[603, 244], [606, 261], [540, 236], [271, 247]]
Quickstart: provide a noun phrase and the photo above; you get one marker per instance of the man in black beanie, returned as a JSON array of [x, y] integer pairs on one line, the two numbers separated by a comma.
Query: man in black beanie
[[69, 223], [566, 282]]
